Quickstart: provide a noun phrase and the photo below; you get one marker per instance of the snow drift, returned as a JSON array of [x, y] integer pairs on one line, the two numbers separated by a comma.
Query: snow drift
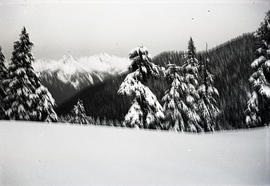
[[50, 154]]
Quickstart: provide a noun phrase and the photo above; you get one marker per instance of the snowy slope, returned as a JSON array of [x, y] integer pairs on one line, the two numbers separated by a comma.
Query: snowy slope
[[48, 154]]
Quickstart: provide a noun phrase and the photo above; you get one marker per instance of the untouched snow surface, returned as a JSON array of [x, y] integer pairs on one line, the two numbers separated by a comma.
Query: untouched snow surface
[[51, 154]]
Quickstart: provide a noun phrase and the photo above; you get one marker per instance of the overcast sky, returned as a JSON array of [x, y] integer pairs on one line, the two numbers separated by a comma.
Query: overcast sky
[[84, 28]]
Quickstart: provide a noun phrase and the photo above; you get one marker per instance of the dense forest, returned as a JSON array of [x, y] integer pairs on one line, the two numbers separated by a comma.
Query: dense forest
[[229, 63]]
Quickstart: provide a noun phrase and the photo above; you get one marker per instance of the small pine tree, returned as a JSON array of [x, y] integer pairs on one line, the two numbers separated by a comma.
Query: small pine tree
[[117, 123], [110, 122], [3, 78], [191, 49], [27, 98], [258, 106], [97, 121], [91, 120], [104, 122], [145, 111], [207, 103], [78, 114], [174, 106]]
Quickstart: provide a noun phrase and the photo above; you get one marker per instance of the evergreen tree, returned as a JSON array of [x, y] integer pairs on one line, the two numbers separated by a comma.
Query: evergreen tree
[[190, 70], [104, 122], [174, 106], [78, 114], [110, 122], [91, 120], [97, 121], [64, 118], [145, 111], [191, 49], [258, 106], [207, 103], [142, 64], [27, 98], [117, 123], [3, 78]]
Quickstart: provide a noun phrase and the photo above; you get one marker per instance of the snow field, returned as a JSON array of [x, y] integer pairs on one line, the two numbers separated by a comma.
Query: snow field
[[51, 154]]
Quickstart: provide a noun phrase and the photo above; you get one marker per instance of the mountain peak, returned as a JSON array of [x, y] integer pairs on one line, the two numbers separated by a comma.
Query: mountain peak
[[80, 72], [102, 62], [68, 59]]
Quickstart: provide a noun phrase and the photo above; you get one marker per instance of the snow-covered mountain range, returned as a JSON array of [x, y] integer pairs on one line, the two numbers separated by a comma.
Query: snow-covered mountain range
[[68, 75]]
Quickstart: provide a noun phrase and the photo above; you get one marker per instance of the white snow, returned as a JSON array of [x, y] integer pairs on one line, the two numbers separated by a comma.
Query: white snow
[[267, 63], [258, 62], [265, 90], [48, 154]]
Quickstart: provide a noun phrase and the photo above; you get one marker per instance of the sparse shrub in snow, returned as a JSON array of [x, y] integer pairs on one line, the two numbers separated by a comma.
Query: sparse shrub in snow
[[258, 106], [208, 109], [146, 111], [3, 78], [26, 98]]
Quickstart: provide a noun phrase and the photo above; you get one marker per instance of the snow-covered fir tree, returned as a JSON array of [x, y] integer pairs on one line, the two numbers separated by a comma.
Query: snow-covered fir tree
[[145, 111], [27, 98], [190, 70], [258, 106], [142, 63], [191, 49], [78, 114], [207, 103], [174, 105], [3, 78]]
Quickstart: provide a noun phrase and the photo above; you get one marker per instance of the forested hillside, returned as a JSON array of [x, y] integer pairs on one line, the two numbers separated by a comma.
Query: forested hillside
[[229, 63]]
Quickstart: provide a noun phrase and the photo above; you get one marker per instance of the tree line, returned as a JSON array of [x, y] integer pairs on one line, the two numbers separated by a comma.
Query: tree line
[[173, 91]]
